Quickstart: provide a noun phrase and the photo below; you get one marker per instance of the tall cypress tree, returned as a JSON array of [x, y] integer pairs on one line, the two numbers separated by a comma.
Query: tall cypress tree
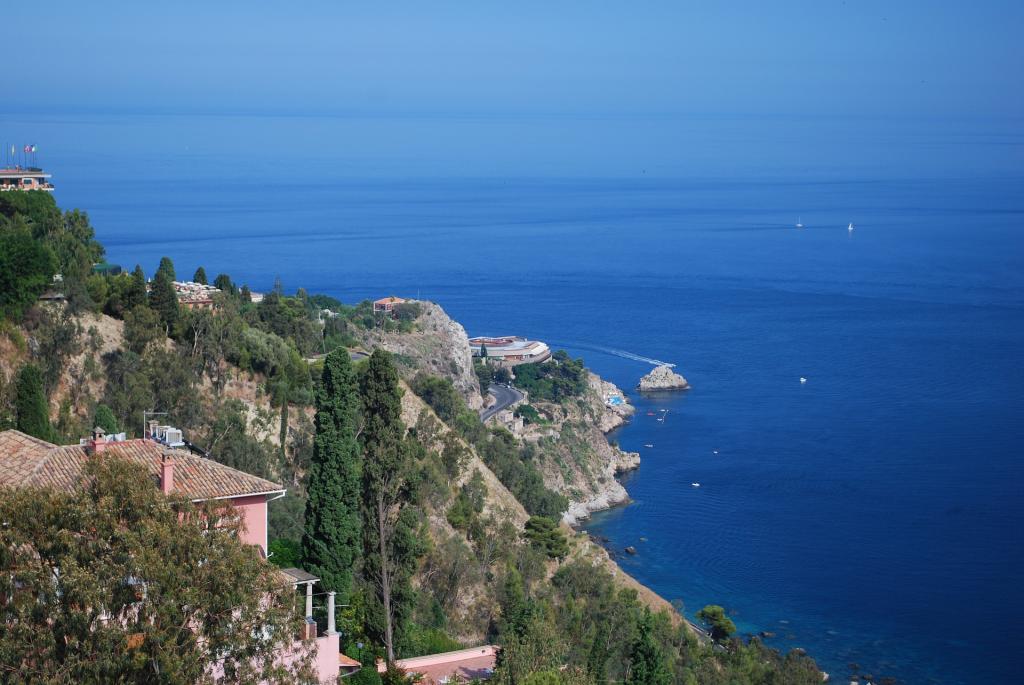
[[200, 276], [331, 539], [32, 414], [136, 293], [390, 540], [163, 300]]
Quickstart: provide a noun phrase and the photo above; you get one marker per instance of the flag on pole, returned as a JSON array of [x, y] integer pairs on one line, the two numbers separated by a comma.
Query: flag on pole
[[28, 148], [34, 148]]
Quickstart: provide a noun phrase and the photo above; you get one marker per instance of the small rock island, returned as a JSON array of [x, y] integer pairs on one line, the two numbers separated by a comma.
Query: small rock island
[[663, 378]]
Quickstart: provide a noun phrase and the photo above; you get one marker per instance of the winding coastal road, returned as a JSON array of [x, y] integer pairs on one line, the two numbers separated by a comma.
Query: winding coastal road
[[503, 397]]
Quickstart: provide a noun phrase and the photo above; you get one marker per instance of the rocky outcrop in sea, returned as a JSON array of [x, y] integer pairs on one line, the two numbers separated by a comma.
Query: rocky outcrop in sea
[[663, 378]]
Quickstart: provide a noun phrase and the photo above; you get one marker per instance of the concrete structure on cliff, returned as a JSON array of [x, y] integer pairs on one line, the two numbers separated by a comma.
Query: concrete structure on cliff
[[17, 178], [510, 350]]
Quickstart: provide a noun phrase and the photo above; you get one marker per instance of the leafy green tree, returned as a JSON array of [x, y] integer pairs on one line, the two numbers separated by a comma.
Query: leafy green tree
[[390, 539], [32, 412], [454, 455], [285, 553], [142, 326], [104, 418], [555, 381], [164, 301], [440, 394], [544, 534], [167, 268], [59, 337], [118, 583], [332, 538], [648, 663], [199, 276], [26, 269], [720, 625], [536, 648]]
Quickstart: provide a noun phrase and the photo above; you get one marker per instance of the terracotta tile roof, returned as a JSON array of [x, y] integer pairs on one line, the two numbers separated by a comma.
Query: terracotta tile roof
[[347, 662], [28, 462], [463, 665]]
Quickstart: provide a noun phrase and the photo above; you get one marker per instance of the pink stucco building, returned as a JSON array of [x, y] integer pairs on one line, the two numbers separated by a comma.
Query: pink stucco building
[[29, 462]]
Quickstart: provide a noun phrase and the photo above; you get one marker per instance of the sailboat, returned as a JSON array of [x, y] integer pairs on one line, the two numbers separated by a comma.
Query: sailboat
[[799, 222], [850, 227]]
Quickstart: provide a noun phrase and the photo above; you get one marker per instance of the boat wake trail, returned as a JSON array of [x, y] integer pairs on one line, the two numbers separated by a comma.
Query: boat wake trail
[[618, 353]]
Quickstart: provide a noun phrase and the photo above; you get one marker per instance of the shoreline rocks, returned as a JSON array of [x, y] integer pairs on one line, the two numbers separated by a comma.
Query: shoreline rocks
[[663, 378]]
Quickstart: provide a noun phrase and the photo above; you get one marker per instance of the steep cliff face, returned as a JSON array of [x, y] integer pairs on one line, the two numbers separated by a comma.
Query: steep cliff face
[[574, 454], [438, 346]]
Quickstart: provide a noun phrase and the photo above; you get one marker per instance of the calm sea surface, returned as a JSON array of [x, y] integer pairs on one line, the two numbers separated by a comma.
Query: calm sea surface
[[872, 515]]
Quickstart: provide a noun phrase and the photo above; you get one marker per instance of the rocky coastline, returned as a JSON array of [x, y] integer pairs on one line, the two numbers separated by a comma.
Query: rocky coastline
[[663, 378], [603, 490]]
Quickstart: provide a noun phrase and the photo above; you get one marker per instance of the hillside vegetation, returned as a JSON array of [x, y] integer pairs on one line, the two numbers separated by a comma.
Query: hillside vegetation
[[473, 542]]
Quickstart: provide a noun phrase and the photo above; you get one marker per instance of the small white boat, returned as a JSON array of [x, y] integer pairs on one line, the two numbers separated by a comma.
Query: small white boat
[[850, 227], [648, 445], [802, 380], [800, 222], [715, 451], [696, 485]]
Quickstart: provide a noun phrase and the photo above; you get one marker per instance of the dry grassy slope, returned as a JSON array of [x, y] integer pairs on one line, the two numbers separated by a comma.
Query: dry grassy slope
[[109, 334], [499, 503]]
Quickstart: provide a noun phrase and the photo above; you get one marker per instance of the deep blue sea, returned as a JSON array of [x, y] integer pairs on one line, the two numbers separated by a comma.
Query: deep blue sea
[[872, 515]]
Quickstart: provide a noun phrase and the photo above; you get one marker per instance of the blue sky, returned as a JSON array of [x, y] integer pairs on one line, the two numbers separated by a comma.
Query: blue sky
[[908, 58]]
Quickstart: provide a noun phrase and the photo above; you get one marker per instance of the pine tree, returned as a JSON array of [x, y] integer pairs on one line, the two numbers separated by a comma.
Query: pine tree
[[647, 665], [163, 300], [331, 540], [32, 413], [136, 292], [200, 276], [390, 540], [166, 267], [224, 284]]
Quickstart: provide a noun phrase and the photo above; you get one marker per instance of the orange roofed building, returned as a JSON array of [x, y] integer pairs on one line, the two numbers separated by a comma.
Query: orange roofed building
[[386, 305], [27, 462]]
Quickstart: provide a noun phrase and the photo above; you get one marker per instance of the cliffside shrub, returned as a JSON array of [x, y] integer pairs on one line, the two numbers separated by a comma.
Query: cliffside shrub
[[544, 534], [556, 380], [513, 466], [713, 616]]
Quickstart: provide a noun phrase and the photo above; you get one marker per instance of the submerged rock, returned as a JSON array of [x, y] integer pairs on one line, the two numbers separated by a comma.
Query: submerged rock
[[663, 378], [631, 550]]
